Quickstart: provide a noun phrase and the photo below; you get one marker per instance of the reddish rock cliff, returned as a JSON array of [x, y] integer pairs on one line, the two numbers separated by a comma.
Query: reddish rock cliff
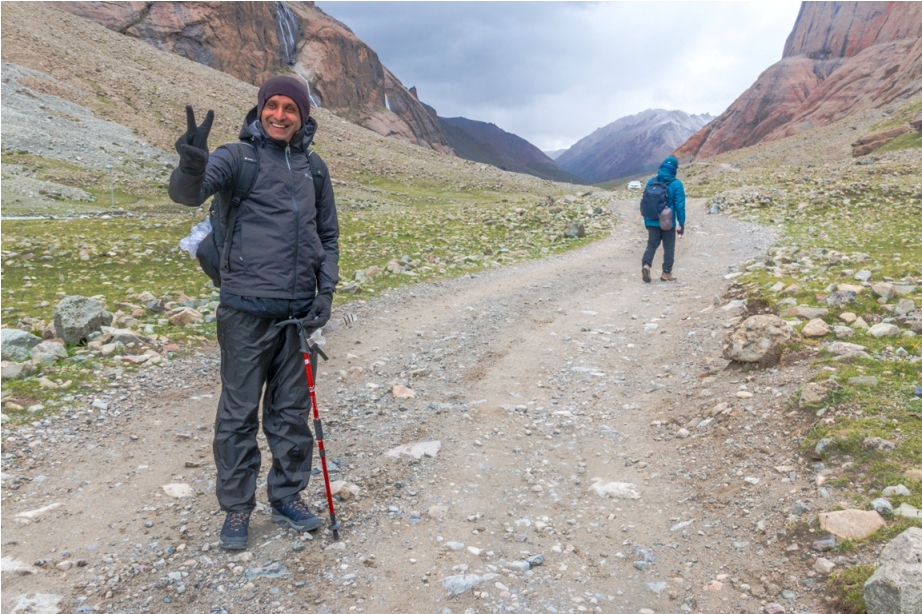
[[254, 40], [840, 58]]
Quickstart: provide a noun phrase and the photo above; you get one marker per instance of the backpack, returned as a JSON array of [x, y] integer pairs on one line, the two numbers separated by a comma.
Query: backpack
[[654, 204], [213, 252]]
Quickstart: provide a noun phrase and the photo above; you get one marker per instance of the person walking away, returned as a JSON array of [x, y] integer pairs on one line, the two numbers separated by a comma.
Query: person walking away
[[655, 234], [283, 263]]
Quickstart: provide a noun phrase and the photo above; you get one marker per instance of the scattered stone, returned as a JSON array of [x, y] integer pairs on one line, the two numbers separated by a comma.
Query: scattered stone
[[461, 583], [37, 603], [814, 394], [536, 560], [863, 380], [878, 443], [185, 317], [416, 450], [896, 586], [773, 608], [800, 508], [805, 313], [843, 332], [896, 491], [574, 230], [10, 565], [402, 392], [851, 524], [178, 490], [863, 275], [882, 506], [16, 370], [907, 511], [904, 306], [520, 566], [848, 317], [824, 566], [618, 490], [756, 338], [815, 328], [456, 546], [271, 571], [75, 317], [65, 565], [843, 347], [345, 490], [884, 329], [841, 298], [884, 289], [682, 433], [824, 544], [16, 345], [31, 514], [860, 323]]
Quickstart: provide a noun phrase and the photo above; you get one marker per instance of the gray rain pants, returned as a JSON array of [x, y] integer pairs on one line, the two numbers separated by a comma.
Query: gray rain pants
[[246, 367]]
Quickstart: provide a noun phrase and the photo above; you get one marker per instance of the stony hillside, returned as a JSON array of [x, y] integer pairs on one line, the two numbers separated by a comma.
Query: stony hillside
[[631, 145], [841, 58], [490, 144], [252, 41]]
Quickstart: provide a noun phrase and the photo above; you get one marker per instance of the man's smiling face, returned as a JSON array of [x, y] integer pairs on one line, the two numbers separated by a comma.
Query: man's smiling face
[[281, 118]]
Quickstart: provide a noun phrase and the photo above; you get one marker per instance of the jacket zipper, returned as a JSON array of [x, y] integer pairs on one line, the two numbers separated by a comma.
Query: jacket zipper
[[294, 271]]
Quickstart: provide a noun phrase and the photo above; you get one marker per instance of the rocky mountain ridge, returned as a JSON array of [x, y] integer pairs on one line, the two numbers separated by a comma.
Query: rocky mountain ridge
[[841, 58], [631, 145], [253, 41], [490, 144]]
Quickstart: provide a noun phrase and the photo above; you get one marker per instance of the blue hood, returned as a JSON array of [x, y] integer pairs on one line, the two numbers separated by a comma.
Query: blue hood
[[667, 170]]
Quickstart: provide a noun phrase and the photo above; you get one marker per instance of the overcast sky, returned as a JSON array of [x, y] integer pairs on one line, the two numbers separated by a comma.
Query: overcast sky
[[552, 72]]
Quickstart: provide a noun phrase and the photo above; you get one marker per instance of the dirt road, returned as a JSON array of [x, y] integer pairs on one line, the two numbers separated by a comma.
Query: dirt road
[[557, 391]]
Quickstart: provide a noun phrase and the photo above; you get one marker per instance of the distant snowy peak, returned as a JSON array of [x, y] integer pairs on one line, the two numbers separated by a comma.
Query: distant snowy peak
[[631, 145]]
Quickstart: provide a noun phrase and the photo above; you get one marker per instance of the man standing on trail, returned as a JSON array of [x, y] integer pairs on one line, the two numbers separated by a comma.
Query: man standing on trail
[[655, 234], [283, 263]]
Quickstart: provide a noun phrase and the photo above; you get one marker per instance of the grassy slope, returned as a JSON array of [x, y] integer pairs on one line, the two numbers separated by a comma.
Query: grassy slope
[[838, 215]]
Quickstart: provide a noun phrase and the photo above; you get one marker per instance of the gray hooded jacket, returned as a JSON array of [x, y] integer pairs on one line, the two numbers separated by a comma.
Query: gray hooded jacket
[[285, 242]]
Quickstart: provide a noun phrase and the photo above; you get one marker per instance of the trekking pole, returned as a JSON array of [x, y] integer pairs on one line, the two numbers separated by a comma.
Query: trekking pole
[[318, 427]]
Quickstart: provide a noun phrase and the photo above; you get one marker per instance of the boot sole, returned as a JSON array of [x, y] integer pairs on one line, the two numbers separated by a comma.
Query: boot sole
[[308, 525], [233, 544]]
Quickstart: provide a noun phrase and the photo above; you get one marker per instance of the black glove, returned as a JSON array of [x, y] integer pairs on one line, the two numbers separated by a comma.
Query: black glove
[[319, 313], [193, 145]]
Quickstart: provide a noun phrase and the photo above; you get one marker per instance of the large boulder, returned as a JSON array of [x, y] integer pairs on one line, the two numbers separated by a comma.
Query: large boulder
[[75, 317], [896, 586], [17, 344], [757, 338]]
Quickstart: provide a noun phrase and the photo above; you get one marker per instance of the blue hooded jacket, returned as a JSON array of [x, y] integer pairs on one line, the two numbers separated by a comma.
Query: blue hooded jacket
[[675, 189]]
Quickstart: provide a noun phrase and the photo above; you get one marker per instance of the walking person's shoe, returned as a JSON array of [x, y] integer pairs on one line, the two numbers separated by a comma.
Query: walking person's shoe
[[296, 515], [667, 277], [645, 273], [234, 533]]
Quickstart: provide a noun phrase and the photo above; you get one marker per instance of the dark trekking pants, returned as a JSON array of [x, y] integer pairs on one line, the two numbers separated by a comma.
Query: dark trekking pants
[[246, 367], [655, 236]]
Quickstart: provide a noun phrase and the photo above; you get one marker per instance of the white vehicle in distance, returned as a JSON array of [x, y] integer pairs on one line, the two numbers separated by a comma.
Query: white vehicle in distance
[[633, 185]]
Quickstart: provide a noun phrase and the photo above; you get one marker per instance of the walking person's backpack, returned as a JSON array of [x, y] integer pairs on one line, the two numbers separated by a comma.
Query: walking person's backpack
[[654, 204], [213, 252]]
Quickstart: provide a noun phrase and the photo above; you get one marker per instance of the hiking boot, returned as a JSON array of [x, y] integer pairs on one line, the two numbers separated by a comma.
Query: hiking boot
[[667, 277], [296, 515], [234, 532], [645, 273]]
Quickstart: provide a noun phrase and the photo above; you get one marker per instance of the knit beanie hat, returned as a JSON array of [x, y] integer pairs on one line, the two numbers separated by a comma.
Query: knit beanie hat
[[286, 86], [671, 162]]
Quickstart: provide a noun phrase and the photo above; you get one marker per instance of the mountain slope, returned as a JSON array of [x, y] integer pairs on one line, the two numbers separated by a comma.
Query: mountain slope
[[631, 145], [490, 144], [840, 58], [254, 40]]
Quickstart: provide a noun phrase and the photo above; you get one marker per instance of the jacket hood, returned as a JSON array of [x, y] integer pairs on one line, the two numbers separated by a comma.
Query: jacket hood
[[253, 129], [667, 170]]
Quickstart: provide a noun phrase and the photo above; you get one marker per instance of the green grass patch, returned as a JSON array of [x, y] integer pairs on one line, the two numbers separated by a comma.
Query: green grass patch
[[912, 140], [848, 585]]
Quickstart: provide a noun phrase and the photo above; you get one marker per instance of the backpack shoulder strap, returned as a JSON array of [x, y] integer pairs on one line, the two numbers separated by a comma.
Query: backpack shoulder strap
[[315, 163], [247, 169]]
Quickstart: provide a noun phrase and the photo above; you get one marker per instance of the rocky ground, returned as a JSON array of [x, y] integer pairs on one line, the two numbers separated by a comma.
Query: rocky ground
[[595, 453]]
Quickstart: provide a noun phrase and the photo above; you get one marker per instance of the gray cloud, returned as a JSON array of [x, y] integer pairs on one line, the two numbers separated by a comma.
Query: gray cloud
[[552, 72]]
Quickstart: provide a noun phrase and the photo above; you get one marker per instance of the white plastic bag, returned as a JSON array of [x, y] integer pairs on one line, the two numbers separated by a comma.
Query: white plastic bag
[[199, 231]]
